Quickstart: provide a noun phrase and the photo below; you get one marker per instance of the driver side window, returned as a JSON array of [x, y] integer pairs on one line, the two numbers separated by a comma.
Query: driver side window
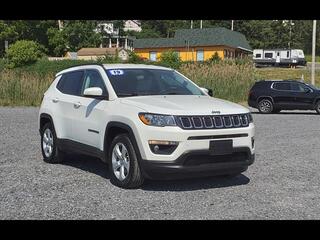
[[93, 79]]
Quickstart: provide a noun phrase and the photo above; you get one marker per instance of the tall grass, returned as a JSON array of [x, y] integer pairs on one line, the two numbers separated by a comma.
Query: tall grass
[[23, 88], [228, 80]]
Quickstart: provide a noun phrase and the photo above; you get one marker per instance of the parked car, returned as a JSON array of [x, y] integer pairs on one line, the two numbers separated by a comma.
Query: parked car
[[279, 57], [145, 122], [274, 96]]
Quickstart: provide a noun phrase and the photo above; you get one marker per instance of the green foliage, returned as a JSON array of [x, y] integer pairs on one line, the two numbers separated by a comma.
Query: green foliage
[[23, 52], [135, 58], [215, 58], [170, 59]]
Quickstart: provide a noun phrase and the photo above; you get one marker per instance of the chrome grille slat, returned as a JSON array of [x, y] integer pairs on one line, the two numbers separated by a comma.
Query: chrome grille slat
[[213, 122]]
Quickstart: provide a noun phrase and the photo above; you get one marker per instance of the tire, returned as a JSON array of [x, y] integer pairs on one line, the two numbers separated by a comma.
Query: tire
[[55, 155], [124, 167], [276, 110], [317, 107], [265, 106]]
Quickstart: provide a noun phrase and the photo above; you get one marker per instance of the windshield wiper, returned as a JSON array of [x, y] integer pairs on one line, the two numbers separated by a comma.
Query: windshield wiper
[[127, 94]]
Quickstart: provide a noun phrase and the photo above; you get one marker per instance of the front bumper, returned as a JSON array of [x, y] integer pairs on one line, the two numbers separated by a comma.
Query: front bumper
[[197, 163]]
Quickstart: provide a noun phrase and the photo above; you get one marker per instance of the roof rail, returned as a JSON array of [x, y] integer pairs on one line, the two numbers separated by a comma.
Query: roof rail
[[80, 65]]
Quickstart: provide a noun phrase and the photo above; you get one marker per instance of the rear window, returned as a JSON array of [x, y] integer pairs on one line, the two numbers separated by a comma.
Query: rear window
[[282, 86], [71, 83]]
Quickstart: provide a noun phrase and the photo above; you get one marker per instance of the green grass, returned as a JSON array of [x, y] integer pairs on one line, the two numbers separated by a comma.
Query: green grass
[[309, 58], [228, 79]]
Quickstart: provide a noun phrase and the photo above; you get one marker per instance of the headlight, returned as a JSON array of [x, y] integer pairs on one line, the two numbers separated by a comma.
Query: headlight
[[157, 119]]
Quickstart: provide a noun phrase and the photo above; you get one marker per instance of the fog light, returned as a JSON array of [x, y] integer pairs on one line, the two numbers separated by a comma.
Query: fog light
[[162, 147], [156, 148]]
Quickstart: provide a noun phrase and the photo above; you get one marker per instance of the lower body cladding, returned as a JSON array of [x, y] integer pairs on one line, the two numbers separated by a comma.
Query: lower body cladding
[[195, 153]]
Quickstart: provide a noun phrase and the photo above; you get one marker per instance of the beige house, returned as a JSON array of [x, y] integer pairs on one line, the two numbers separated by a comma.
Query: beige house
[[95, 53]]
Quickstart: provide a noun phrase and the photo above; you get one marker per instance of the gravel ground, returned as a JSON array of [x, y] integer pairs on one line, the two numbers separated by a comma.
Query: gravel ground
[[283, 183]]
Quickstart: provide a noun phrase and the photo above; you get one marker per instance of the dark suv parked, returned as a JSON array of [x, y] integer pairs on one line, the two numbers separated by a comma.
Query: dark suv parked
[[274, 96]]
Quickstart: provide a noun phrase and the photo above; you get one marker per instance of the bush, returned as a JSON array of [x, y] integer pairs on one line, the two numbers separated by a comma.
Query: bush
[[23, 52], [135, 58], [215, 58], [170, 59]]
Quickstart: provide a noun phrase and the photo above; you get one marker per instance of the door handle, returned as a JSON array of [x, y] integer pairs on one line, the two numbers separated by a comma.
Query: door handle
[[77, 105], [55, 100]]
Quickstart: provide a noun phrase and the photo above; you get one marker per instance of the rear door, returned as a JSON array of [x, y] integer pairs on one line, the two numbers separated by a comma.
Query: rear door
[[69, 86], [282, 95]]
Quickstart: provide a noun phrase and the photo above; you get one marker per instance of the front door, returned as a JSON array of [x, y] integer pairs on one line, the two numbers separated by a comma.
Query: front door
[[304, 95], [90, 113]]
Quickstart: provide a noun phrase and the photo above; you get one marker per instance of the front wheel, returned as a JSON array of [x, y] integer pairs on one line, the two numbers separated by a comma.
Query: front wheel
[[123, 163], [265, 106]]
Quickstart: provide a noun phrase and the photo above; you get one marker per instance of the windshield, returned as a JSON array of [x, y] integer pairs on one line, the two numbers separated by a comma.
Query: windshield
[[137, 82], [312, 86]]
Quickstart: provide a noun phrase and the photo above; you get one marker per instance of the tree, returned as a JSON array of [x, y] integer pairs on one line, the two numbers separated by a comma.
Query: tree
[[7, 33], [23, 52]]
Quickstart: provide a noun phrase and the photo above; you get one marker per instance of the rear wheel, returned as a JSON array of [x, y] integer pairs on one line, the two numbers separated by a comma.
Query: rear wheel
[[265, 106], [123, 163], [49, 149], [318, 107]]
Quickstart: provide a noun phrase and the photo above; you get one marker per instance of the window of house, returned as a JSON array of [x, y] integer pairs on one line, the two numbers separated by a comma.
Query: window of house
[[153, 56], [200, 55]]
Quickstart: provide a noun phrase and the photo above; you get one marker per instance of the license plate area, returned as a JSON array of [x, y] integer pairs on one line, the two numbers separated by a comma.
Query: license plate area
[[221, 147]]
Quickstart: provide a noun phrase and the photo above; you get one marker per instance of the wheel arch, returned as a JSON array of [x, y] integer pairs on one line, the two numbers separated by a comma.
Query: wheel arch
[[113, 128], [265, 97], [44, 118]]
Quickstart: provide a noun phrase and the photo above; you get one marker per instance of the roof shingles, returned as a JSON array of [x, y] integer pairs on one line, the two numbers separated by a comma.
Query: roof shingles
[[197, 37]]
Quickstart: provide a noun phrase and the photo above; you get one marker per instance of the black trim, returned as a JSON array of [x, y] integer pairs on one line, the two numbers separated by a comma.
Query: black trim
[[45, 116], [81, 65], [218, 136], [76, 147], [94, 131], [180, 168]]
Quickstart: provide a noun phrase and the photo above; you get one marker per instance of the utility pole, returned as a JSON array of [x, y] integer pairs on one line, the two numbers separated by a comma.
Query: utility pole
[[313, 52], [231, 25], [200, 24], [191, 24], [60, 23], [290, 33]]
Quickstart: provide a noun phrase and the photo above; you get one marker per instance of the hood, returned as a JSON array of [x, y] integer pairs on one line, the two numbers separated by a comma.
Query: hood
[[184, 105]]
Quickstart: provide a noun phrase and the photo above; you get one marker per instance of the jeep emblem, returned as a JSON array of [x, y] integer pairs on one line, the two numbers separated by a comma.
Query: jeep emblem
[[215, 112]]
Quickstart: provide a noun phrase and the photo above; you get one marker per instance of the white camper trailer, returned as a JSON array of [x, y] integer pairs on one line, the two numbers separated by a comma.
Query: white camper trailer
[[278, 57]]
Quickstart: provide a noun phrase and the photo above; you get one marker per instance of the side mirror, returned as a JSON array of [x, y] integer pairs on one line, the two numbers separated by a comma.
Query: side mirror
[[93, 92], [208, 91], [307, 90]]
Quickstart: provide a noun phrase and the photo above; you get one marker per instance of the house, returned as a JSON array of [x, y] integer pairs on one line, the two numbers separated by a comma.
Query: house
[[195, 44], [95, 53], [71, 55], [132, 25]]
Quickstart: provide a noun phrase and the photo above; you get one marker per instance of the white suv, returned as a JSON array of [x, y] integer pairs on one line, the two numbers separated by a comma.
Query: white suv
[[145, 122]]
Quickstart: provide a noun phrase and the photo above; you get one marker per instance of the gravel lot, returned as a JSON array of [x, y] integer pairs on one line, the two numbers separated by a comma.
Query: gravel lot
[[283, 183]]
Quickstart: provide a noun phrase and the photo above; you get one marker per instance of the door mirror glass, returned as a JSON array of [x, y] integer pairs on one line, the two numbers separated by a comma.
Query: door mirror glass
[[93, 92], [208, 91]]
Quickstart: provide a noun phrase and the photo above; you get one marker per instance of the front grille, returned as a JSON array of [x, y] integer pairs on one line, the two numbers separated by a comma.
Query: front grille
[[213, 122]]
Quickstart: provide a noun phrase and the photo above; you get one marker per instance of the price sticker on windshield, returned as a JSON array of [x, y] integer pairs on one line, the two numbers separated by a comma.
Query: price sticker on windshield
[[116, 72]]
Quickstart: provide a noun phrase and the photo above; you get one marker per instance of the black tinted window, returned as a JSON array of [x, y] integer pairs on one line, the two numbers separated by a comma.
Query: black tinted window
[[71, 83], [297, 87], [94, 79], [282, 86]]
